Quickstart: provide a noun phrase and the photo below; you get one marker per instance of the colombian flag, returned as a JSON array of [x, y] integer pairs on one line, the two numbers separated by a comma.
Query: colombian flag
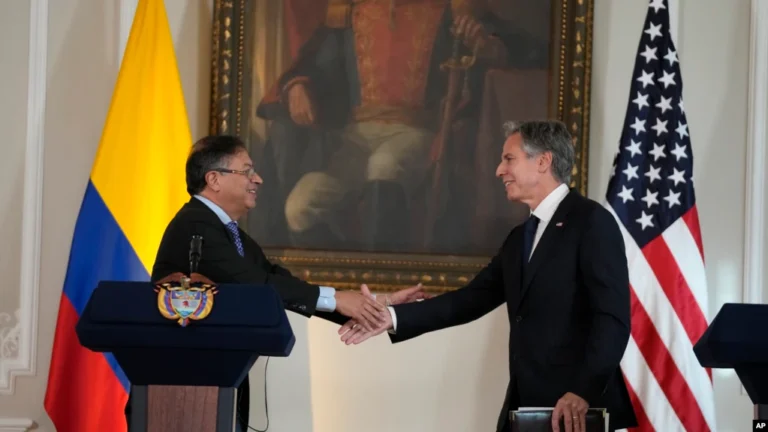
[[136, 186]]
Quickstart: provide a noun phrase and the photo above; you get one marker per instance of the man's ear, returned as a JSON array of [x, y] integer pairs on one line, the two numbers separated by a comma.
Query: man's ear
[[545, 161], [212, 180]]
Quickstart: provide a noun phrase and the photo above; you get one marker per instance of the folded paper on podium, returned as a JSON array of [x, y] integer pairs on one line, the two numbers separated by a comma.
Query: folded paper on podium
[[185, 349], [540, 420]]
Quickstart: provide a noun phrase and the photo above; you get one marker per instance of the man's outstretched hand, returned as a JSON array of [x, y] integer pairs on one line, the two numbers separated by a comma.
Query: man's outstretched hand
[[362, 308], [406, 295], [352, 332]]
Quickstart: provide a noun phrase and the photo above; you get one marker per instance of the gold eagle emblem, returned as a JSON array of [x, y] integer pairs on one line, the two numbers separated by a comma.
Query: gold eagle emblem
[[184, 303]]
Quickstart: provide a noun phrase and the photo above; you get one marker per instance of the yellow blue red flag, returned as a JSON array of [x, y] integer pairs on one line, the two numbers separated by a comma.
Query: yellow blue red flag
[[136, 186]]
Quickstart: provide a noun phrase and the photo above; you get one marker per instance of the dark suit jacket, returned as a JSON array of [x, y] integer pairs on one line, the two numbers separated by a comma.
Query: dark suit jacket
[[221, 263], [569, 314]]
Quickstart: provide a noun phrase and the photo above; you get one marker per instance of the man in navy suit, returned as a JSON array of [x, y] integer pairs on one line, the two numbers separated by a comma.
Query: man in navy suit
[[564, 277], [223, 187]]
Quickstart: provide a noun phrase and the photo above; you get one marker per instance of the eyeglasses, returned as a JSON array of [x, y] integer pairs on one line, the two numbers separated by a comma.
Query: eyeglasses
[[248, 172]]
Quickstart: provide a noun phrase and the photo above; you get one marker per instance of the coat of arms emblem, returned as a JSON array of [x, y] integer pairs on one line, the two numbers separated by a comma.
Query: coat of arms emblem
[[184, 303]]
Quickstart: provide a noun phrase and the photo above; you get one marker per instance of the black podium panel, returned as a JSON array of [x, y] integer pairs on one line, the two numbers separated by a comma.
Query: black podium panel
[[737, 339]]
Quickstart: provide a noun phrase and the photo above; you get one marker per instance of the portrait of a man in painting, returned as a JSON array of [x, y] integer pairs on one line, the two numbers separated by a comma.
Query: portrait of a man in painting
[[377, 124]]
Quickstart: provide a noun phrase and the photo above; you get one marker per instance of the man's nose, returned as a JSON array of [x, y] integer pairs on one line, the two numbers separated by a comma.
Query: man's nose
[[256, 178]]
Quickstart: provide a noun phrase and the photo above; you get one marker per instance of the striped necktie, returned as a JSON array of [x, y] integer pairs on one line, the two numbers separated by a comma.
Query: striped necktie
[[232, 228]]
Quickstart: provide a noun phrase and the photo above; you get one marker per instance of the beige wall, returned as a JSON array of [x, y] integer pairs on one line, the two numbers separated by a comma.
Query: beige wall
[[451, 380]]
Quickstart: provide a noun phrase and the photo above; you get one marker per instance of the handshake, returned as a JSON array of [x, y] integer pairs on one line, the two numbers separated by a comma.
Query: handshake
[[369, 314]]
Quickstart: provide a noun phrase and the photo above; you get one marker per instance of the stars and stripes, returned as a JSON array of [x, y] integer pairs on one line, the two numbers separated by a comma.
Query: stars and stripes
[[652, 196]]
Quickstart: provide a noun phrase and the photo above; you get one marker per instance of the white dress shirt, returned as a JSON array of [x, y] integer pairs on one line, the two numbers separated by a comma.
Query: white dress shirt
[[544, 211]]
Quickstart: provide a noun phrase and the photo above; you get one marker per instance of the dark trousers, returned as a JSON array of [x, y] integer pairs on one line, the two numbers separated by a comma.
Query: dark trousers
[[511, 402]]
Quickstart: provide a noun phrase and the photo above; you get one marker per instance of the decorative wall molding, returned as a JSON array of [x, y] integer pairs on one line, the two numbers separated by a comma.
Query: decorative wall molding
[[10, 327], [757, 115], [15, 424], [21, 336]]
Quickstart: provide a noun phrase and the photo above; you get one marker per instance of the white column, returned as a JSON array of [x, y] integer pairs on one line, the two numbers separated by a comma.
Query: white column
[[757, 115], [18, 333]]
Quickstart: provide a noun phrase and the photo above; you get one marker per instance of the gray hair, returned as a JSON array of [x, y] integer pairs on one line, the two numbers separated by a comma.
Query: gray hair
[[207, 154], [546, 136]]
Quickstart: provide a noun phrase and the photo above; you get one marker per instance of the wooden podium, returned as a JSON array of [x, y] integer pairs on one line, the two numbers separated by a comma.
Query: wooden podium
[[182, 408], [183, 378]]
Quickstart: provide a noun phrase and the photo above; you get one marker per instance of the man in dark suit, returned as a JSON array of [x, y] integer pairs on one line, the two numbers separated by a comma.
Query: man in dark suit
[[223, 186], [563, 275]]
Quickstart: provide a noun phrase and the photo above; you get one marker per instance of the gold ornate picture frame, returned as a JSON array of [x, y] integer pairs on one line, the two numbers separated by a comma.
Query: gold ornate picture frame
[[252, 60]]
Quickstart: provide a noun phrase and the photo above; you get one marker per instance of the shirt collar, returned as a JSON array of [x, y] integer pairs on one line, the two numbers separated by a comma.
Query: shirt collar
[[548, 206], [225, 219]]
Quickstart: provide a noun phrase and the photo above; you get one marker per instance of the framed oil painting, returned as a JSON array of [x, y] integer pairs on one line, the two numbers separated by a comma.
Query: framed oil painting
[[377, 125]]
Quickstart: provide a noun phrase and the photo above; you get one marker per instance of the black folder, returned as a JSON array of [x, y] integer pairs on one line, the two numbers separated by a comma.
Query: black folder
[[540, 420]]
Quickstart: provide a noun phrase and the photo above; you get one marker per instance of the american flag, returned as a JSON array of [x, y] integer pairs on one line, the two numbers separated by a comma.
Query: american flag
[[651, 194]]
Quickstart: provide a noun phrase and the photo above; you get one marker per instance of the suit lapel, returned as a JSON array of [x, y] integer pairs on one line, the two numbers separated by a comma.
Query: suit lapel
[[513, 263], [548, 241], [248, 246], [196, 203]]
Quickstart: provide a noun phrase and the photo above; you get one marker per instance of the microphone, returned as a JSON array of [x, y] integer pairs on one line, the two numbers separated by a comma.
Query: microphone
[[195, 251]]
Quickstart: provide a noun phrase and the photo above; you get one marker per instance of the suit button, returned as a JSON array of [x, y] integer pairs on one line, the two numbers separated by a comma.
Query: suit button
[[514, 357], [518, 318]]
